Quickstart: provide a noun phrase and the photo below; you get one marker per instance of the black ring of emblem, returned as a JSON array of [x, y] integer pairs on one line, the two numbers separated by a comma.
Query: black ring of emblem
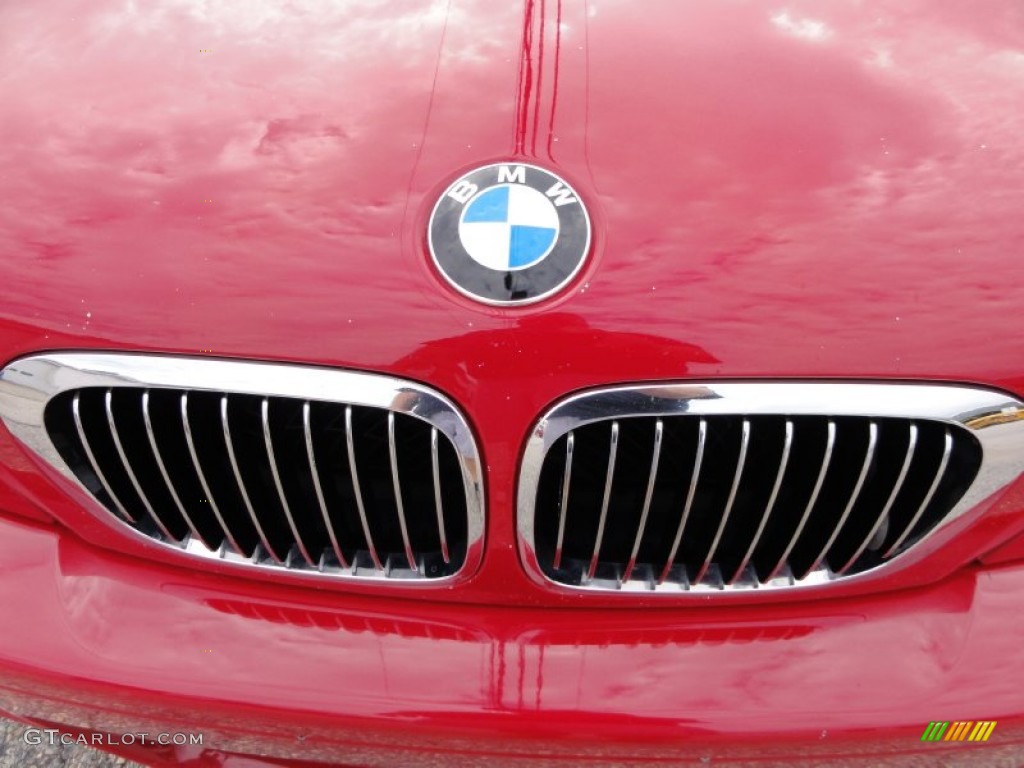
[[508, 287]]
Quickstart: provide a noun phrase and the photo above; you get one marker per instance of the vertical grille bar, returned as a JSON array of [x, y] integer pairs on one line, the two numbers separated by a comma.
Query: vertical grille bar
[[265, 414], [202, 478], [740, 462], [356, 489], [826, 460], [393, 452], [76, 413], [869, 455], [564, 498], [911, 446], [310, 454], [241, 483], [164, 474], [658, 429], [947, 451], [612, 450], [702, 435], [108, 405], [783, 463], [435, 465]]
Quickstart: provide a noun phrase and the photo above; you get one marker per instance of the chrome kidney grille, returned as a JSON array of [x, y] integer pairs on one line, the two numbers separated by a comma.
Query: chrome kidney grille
[[743, 486], [378, 482]]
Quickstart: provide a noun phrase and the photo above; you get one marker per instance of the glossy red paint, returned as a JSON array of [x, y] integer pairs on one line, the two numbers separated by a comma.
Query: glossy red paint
[[1010, 552], [794, 187], [824, 191], [328, 678]]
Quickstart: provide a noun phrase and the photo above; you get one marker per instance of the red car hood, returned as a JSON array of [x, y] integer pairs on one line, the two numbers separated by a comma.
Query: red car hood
[[814, 190], [817, 191]]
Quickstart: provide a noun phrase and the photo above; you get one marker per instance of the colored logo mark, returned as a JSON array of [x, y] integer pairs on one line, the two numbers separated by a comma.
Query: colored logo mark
[[509, 227], [960, 730]]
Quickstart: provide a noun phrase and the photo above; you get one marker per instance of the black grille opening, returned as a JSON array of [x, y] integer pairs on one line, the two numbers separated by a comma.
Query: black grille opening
[[816, 495], [276, 480]]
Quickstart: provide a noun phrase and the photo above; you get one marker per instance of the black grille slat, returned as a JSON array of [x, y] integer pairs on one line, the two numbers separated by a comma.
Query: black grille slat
[[686, 507], [105, 477], [606, 497], [839, 488], [454, 507], [261, 528], [197, 468], [396, 484], [842, 503], [126, 463], [330, 444], [166, 483], [199, 439], [245, 424], [659, 430], [435, 472], [314, 474], [820, 475], [710, 555], [876, 530], [131, 423], [169, 434], [770, 492], [907, 528], [372, 468], [279, 443], [416, 478]]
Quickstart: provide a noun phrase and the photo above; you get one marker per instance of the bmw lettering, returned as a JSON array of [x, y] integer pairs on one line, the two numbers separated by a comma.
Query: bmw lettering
[[509, 234]]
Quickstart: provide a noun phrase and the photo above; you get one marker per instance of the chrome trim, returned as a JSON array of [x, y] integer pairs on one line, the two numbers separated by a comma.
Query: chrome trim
[[246, 501], [202, 478], [702, 436], [396, 483], [869, 456], [160, 464], [108, 406], [95, 464], [268, 441], [826, 460], [659, 429], [28, 384], [787, 447], [436, 471], [740, 463], [612, 451], [563, 500], [996, 420], [314, 473], [946, 453], [354, 473], [896, 488]]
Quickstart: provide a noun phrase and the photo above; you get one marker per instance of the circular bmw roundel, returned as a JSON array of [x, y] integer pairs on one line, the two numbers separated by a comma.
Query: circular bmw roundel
[[509, 234]]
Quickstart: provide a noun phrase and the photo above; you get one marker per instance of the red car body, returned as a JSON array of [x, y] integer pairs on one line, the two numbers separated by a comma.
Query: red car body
[[814, 191]]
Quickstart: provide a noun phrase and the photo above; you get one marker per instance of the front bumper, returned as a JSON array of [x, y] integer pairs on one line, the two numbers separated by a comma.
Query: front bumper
[[96, 641]]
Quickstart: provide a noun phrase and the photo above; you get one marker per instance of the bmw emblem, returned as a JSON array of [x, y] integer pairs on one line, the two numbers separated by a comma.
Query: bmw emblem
[[509, 234]]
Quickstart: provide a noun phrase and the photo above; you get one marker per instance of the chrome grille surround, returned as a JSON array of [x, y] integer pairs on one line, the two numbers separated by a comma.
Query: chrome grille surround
[[948, 419], [107, 381]]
